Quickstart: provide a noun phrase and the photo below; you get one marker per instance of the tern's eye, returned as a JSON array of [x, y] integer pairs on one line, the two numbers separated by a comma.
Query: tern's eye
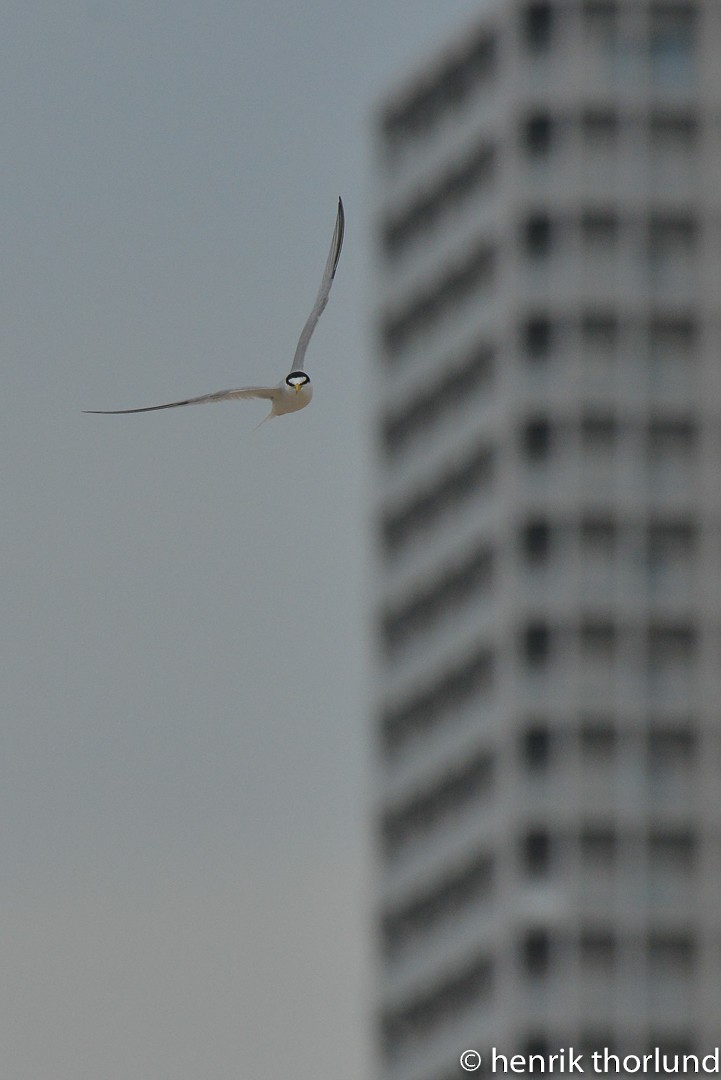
[[297, 378]]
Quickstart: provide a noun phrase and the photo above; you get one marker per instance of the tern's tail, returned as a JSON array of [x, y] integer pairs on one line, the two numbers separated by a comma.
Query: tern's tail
[[270, 416]]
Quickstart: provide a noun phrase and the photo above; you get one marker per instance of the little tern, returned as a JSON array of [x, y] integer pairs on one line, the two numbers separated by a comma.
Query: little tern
[[295, 391]]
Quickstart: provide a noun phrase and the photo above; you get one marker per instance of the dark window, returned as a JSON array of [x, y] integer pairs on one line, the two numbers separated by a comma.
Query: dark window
[[672, 39], [451, 590], [599, 335], [452, 995], [671, 236], [538, 134], [460, 482], [599, 128], [537, 645], [674, 338], [536, 541], [536, 852], [598, 641], [421, 813], [674, 849], [537, 439], [671, 645], [539, 1045], [538, 337], [536, 952], [671, 952], [536, 747], [473, 275], [429, 909], [598, 848], [537, 234], [679, 1043], [598, 535], [538, 27], [462, 378], [597, 949], [441, 698], [598, 738], [473, 174]]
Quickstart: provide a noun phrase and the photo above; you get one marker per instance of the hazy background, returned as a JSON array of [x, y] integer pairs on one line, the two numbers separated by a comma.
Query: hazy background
[[184, 751]]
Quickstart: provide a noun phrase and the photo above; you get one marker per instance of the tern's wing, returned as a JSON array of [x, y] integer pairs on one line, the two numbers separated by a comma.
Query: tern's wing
[[322, 300], [269, 392]]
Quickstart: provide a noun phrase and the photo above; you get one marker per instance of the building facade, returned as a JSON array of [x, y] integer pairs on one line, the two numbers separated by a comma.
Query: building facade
[[548, 409]]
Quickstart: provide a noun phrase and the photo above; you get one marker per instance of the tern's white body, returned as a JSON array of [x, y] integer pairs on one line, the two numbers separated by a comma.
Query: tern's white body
[[291, 399], [295, 390]]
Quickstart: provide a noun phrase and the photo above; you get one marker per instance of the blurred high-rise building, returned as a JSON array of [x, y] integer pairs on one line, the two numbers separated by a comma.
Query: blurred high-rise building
[[548, 409]]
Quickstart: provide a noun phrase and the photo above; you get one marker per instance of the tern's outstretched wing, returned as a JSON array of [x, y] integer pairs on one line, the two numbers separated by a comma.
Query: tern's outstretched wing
[[322, 300], [269, 392]]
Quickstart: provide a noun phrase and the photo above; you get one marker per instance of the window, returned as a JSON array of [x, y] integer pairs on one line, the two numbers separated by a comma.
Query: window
[[674, 434], [459, 482], [678, 1043], [536, 953], [671, 649], [536, 645], [446, 694], [598, 433], [672, 853], [599, 234], [672, 43], [671, 246], [598, 846], [536, 852], [536, 440], [673, 338], [464, 72], [537, 235], [599, 340], [673, 132], [538, 338], [429, 102], [673, 349], [670, 552], [671, 760], [599, 132], [461, 379], [472, 274], [539, 1045], [535, 747], [597, 641], [673, 145], [597, 951], [594, 1041], [600, 22], [538, 132], [672, 452], [597, 739], [455, 587], [432, 907], [598, 538], [452, 995], [448, 797], [538, 27], [536, 541], [671, 953], [475, 173], [670, 234]]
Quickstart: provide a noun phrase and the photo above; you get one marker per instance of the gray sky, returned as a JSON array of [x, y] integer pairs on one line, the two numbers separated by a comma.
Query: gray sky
[[185, 754]]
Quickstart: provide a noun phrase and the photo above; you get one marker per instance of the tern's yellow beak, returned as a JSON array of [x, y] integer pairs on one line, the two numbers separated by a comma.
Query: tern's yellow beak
[[298, 386]]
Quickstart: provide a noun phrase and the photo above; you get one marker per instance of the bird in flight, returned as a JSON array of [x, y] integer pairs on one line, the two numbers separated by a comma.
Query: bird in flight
[[295, 390]]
